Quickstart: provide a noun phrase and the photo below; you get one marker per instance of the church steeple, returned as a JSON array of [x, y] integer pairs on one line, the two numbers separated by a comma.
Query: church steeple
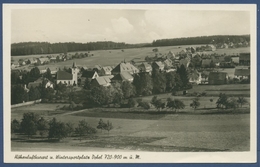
[[74, 65]]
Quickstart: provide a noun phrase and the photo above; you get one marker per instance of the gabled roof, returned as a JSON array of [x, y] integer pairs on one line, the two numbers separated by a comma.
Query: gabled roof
[[107, 68], [184, 62], [43, 59], [146, 65], [53, 68], [159, 63], [217, 75], [123, 76], [244, 56], [37, 82], [84, 67], [15, 63], [121, 67], [63, 75], [167, 62], [88, 74], [206, 62], [242, 72], [194, 75], [34, 84], [102, 80], [98, 66], [42, 68]]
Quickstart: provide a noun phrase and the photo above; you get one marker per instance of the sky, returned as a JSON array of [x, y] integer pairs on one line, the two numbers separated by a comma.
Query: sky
[[123, 25]]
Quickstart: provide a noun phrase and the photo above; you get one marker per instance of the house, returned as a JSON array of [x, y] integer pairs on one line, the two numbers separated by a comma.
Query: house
[[221, 59], [145, 67], [101, 81], [206, 63], [90, 74], [97, 67], [217, 78], [168, 63], [53, 70], [22, 62], [170, 55], [106, 70], [185, 62], [204, 77], [235, 60], [192, 49], [42, 69], [244, 59], [242, 73], [68, 57], [68, 78], [223, 46], [53, 59], [183, 52], [210, 48], [38, 82], [123, 76], [124, 67], [43, 60], [195, 77], [15, 64], [32, 61], [158, 65]]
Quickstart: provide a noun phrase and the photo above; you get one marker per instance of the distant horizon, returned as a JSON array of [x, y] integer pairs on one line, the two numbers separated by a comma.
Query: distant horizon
[[132, 26], [126, 42]]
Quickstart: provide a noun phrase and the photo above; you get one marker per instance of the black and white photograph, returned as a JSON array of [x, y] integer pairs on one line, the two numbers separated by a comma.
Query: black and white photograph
[[129, 83]]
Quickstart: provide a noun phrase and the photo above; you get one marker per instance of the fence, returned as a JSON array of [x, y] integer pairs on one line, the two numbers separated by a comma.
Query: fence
[[26, 103]]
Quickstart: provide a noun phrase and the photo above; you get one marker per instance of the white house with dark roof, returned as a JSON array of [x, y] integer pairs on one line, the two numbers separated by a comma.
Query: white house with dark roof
[[68, 78]]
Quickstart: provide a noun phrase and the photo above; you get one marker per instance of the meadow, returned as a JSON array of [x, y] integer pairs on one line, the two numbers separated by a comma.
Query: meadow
[[203, 129], [166, 132], [113, 57]]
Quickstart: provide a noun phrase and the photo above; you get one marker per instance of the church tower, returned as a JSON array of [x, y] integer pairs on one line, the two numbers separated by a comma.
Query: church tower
[[74, 72]]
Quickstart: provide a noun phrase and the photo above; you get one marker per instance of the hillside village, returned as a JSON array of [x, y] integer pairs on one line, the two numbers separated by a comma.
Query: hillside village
[[195, 66]]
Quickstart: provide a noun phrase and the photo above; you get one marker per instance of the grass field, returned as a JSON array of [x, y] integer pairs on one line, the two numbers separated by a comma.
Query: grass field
[[172, 132], [113, 57], [186, 130]]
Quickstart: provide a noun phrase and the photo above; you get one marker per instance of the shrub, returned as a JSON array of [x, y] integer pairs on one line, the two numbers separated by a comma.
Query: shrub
[[131, 103], [144, 105], [15, 126]]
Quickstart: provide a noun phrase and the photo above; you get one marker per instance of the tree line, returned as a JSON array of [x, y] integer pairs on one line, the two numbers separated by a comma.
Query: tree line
[[201, 40], [31, 48], [32, 124]]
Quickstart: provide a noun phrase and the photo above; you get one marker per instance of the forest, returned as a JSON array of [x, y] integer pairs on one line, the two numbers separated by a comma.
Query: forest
[[202, 40], [32, 48]]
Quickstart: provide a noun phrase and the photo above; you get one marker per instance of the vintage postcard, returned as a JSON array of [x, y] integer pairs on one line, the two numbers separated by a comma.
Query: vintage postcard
[[146, 83]]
